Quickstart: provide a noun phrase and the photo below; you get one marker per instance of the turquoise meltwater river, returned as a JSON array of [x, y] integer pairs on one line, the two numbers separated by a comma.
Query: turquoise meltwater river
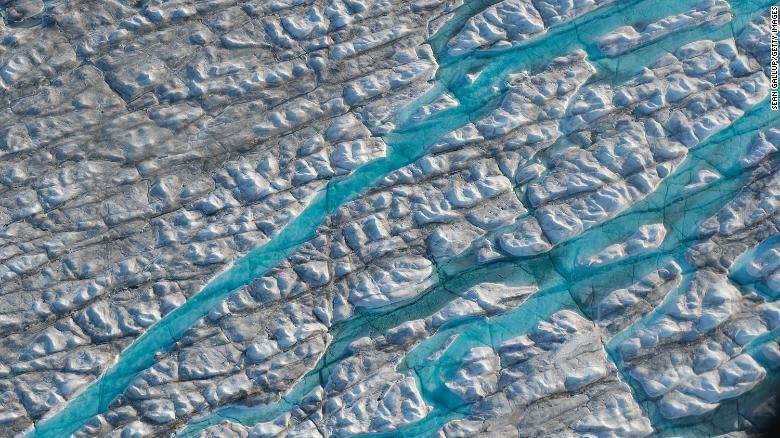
[[563, 283]]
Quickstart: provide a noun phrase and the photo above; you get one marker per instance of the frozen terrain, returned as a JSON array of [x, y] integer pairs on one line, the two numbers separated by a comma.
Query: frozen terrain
[[387, 218]]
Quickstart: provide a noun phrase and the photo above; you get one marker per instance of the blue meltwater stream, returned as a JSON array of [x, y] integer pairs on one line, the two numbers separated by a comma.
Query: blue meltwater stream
[[562, 283]]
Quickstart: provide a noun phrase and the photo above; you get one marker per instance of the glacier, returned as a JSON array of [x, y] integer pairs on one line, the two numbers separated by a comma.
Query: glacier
[[370, 218]]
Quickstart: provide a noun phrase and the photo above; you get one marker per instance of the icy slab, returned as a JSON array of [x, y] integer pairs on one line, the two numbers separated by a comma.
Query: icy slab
[[551, 375], [533, 100], [396, 280], [756, 204], [645, 239], [485, 299], [445, 102], [373, 407], [527, 239], [505, 23], [702, 178], [765, 144], [510, 22], [704, 304], [559, 11], [706, 12], [623, 307], [477, 376], [702, 393], [765, 266]]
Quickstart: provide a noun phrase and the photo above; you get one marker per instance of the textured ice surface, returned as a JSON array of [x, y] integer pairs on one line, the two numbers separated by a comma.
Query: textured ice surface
[[413, 218], [627, 37]]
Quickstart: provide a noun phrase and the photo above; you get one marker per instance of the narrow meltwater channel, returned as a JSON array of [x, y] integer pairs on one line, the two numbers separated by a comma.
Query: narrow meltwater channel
[[404, 146], [682, 213], [581, 288], [581, 33], [563, 282], [482, 96], [722, 152]]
